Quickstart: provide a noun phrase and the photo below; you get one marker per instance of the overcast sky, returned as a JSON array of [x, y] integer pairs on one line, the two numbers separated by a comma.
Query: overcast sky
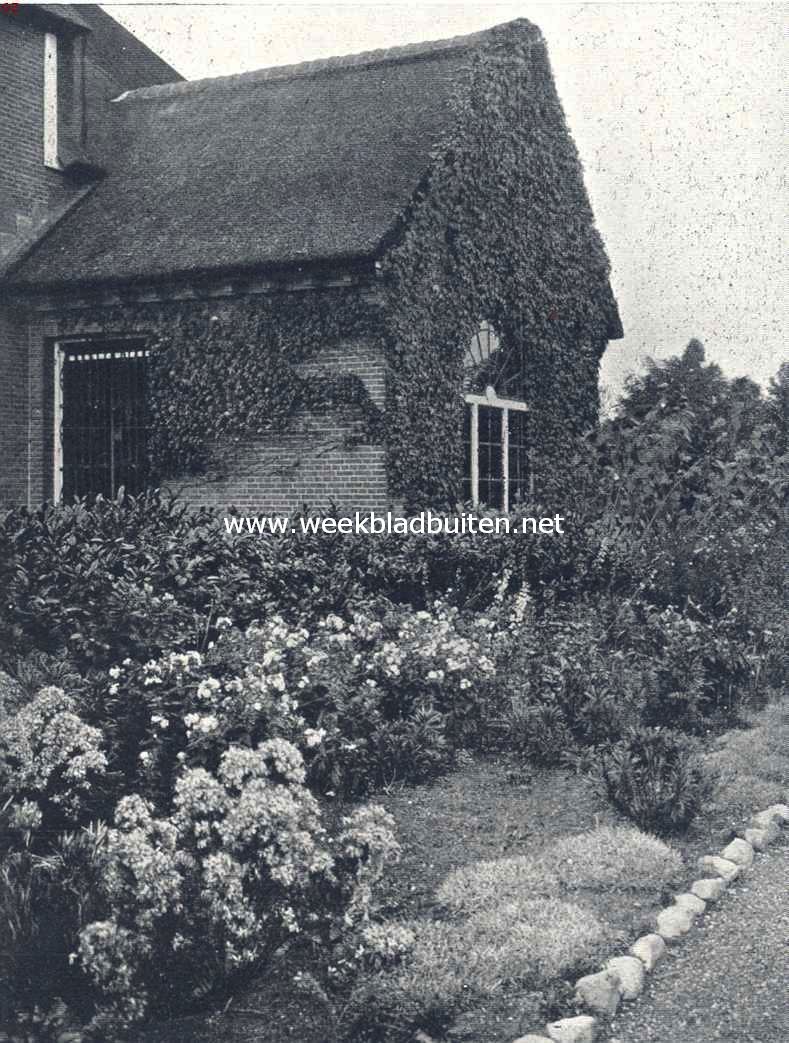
[[676, 110]]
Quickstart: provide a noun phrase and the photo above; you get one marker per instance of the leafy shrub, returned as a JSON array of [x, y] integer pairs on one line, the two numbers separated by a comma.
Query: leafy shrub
[[656, 777], [695, 671], [567, 684], [44, 899], [131, 577], [38, 670], [241, 865]]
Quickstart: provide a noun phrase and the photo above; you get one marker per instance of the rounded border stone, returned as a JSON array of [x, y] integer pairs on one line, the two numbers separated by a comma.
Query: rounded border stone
[[649, 948]]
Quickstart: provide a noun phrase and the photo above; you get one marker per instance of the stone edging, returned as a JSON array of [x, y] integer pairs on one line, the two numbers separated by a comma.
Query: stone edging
[[623, 976]]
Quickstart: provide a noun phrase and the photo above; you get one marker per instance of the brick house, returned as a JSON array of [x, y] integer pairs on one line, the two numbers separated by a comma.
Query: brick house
[[428, 198]]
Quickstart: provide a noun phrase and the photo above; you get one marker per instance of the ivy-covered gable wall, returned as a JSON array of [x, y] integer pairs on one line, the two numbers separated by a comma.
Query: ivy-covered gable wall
[[501, 230]]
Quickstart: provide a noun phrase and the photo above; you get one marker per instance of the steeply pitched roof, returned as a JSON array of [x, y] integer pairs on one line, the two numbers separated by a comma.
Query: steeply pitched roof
[[305, 162], [68, 13]]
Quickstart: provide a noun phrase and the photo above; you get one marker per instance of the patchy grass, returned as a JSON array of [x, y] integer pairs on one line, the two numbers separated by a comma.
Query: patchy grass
[[760, 751], [489, 883], [614, 858], [492, 896], [752, 769], [489, 810], [528, 941]]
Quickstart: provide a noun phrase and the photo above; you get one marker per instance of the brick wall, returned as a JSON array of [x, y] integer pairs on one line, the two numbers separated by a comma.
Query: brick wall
[[317, 461], [13, 409], [27, 187]]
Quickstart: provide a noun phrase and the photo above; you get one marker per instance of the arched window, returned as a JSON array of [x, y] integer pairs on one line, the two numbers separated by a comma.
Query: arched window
[[481, 347], [495, 443]]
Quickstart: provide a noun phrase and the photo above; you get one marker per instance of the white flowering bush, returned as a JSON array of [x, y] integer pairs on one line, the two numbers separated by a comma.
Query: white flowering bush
[[49, 760], [242, 864], [383, 695]]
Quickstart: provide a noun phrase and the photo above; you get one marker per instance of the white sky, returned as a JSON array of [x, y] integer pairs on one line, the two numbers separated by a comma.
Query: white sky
[[677, 112]]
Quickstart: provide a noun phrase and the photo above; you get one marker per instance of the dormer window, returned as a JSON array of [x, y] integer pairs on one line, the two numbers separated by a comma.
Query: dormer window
[[51, 101]]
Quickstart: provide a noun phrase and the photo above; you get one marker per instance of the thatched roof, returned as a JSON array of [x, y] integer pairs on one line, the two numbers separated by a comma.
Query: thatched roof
[[302, 163], [293, 165]]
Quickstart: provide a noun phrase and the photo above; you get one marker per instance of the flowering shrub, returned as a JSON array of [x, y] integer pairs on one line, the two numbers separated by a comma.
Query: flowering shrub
[[387, 695], [241, 865], [49, 759]]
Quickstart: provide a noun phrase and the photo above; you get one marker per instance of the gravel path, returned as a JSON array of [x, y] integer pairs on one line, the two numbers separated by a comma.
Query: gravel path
[[729, 979]]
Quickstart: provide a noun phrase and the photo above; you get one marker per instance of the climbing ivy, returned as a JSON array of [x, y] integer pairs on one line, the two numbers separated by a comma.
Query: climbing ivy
[[228, 370], [500, 229]]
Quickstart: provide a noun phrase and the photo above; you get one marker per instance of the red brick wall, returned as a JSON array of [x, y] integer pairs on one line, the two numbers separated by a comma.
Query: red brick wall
[[312, 462]]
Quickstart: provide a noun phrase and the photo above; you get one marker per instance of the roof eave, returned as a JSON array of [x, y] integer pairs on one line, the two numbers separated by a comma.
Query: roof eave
[[60, 15], [235, 279]]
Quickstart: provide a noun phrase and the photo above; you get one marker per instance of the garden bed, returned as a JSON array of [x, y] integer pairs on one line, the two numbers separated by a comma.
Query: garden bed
[[495, 808], [191, 724]]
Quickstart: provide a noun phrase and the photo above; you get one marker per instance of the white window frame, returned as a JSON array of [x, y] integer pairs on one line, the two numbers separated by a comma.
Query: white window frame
[[490, 398], [57, 421], [51, 101]]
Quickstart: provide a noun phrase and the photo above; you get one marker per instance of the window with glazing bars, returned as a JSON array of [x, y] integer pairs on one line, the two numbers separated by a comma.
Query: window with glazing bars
[[496, 454], [101, 418]]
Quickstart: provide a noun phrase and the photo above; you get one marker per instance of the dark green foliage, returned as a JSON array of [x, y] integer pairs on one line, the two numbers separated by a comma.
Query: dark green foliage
[[115, 578], [656, 777], [501, 230]]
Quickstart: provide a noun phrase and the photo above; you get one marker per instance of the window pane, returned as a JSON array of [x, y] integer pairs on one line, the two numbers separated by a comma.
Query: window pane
[[491, 484], [104, 424], [518, 456]]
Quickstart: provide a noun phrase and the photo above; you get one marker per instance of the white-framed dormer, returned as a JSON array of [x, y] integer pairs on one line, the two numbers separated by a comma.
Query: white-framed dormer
[[51, 101]]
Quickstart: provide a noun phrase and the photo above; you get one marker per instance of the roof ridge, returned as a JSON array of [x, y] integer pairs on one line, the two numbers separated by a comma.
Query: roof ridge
[[364, 59]]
